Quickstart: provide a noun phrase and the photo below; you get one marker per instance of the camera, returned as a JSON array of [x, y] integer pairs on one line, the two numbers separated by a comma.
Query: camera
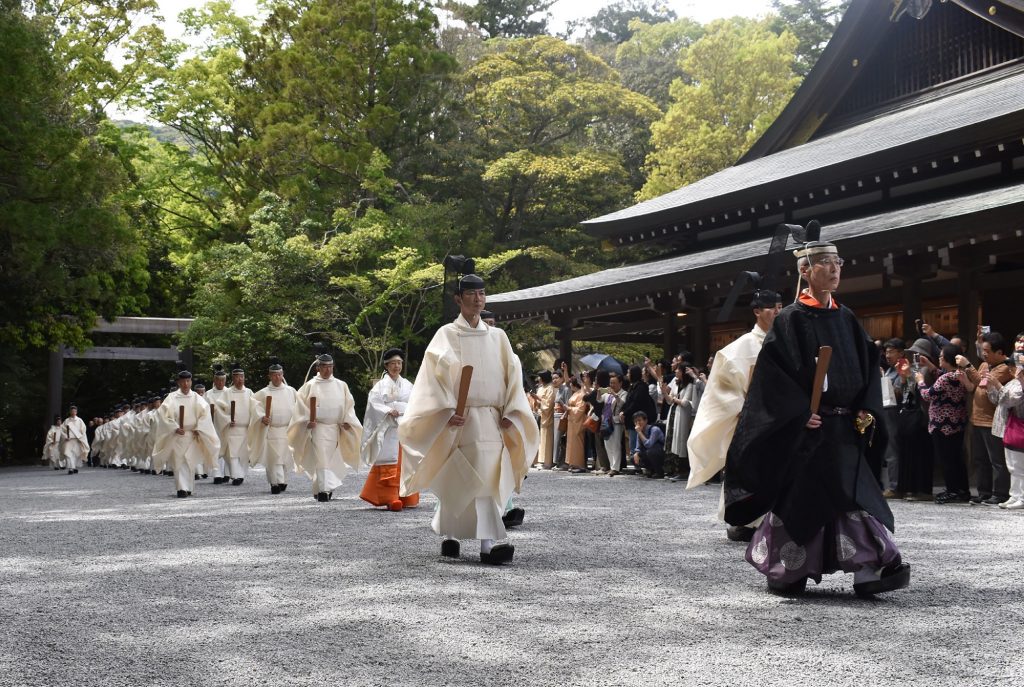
[[985, 329]]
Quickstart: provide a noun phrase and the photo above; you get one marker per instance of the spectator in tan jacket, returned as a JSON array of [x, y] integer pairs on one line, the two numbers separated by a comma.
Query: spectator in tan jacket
[[993, 479]]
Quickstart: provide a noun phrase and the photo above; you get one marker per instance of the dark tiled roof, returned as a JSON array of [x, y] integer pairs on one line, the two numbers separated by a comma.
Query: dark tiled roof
[[632, 279], [882, 135]]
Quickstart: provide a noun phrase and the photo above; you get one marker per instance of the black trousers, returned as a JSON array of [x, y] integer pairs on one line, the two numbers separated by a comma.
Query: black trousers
[[949, 450], [990, 464]]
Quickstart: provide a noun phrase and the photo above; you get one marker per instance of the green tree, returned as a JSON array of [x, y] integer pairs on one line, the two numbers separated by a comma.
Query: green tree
[[614, 24], [548, 123], [649, 61], [741, 78], [504, 18], [812, 22], [67, 247]]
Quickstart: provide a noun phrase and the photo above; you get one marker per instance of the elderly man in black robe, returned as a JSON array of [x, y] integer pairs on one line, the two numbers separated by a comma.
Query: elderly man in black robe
[[807, 471]]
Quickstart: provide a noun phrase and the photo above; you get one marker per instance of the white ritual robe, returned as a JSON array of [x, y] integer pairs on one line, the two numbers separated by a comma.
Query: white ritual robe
[[185, 452], [151, 435], [720, 407], [147, 438], [326, 452], [74, 442], [234, 440], [116, 440], [136, 439], [218, 467], [380, 430], [51, 449], [268, 444], [99, 441], [472, 469]]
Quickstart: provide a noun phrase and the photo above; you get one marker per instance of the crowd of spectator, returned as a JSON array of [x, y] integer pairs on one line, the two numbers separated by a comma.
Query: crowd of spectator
[[941, 411], [611, 423]]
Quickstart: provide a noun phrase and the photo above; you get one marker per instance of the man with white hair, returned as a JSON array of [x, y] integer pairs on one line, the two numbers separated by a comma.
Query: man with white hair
[[804, 468]]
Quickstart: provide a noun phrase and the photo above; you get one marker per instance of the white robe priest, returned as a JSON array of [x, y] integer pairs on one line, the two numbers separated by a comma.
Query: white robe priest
[[474, 468], [197, 444], [328, 450], [234, 428], [74, 442], [51, 449], [268, 443], [218, 467]]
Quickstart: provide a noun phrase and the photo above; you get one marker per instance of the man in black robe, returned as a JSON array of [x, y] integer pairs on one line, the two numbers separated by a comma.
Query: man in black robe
[[807, 472]]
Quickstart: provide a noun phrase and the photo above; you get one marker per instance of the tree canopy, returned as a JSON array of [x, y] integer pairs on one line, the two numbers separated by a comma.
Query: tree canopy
[[300, 176]]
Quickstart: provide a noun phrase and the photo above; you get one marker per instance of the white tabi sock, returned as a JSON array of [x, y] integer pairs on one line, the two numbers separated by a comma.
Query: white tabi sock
[[866, 574], [486, 545]]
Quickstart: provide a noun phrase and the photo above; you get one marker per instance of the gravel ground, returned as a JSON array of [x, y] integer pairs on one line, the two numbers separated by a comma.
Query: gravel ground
[[106, 579]]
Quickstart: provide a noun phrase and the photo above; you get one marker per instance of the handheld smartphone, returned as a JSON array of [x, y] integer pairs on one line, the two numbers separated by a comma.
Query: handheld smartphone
[[919, 325], [985, 329], [916, 367]]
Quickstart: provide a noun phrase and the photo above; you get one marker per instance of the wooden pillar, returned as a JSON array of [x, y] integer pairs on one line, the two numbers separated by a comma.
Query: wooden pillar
[[699, 325], [911, 270], [670, 337], [564, 336], [911, 308], [967, 302], [55, 385]]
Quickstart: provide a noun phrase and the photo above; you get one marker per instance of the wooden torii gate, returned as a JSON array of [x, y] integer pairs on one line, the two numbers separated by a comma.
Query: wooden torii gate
[[122, 325]]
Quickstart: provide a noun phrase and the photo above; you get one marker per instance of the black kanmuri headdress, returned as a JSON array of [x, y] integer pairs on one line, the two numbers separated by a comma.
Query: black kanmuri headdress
[[763, 282]]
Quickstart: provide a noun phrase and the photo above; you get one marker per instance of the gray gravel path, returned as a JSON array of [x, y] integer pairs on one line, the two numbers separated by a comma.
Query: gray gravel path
[[106, 579]]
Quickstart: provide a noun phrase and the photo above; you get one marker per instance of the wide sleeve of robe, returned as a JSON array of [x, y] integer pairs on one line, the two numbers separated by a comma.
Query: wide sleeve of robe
[[167, 423], [717, 414], [427, 440]]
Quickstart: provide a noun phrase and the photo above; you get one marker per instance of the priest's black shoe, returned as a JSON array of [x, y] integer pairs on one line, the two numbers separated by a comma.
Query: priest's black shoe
[[498, 555], [274, 489], [450, 548], [788, 588], [740, 533], [134, 469], [514, 518], [237, 481], [71, 472], [323, 496], [218, 480], [893, 577], [203, 475], [195, 477], [182, 493], [76, 471], [282, 487]]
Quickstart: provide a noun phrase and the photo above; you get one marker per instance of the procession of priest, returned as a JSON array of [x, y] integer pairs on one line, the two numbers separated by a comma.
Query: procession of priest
[[790, 417]]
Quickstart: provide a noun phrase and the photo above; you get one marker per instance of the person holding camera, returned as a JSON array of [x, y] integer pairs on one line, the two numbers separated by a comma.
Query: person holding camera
[[912, 439], [947, 422]]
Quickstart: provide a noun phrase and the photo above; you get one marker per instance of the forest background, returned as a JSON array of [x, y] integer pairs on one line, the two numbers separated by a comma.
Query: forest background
[[309, 170]]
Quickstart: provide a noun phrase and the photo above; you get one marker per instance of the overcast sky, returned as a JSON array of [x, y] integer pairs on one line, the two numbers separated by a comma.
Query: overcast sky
[[562, 11]]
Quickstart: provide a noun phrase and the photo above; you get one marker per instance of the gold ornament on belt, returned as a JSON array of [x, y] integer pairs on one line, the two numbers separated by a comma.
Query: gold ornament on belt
[[863, 422]]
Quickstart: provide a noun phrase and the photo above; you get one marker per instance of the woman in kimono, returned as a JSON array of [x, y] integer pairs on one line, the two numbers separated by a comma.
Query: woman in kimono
[[385, 406]]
